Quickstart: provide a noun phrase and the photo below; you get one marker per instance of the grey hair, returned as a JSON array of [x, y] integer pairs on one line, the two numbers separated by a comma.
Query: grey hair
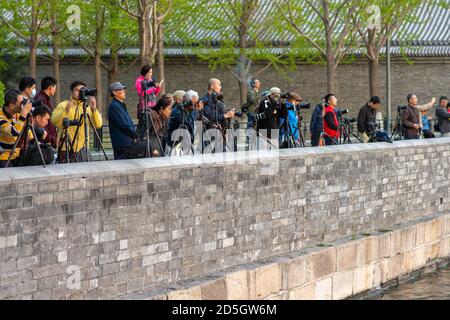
[[190, 94]]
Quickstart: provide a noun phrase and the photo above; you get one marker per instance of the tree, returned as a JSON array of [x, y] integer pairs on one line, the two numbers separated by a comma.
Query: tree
[[25, 18], [149, 19], [237, 41], [327, 25], [384, 17]]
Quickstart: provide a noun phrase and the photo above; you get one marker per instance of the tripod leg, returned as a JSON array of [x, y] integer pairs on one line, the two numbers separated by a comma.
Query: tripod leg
[[97, 135], [19, 138], [38, 144]]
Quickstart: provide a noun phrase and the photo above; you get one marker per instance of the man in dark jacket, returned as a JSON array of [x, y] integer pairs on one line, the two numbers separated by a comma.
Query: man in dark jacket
[[252, 101], [215, 110], [316, 125], [121, 127], [48, 89], [367, 118], [411, 119], [267, 113], [443, 116]]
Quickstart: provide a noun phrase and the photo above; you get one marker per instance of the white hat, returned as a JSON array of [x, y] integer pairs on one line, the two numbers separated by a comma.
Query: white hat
[[275, 90]]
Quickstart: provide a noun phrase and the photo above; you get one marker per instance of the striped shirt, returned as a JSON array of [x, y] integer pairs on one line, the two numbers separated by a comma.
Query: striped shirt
[[10, 128]]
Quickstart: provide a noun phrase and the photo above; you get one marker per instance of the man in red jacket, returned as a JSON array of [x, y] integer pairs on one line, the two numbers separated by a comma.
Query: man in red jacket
[[48, 89], [330, 121]]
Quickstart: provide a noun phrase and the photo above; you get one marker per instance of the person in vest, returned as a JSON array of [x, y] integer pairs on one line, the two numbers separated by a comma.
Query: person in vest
[[330, 122]]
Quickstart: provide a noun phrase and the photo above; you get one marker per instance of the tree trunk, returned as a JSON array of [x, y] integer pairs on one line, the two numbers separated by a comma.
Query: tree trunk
[[33, 49], [331, 64], [56, 70], [161, 66], [143, 35], [374, 76], [243, 89], [98, 81], [113, 72]]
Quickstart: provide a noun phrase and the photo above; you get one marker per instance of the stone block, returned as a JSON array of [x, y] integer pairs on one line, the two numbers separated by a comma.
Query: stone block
[[323, 289], [395, 264], [267, 280], [420, 255], [380, 272], [27, 263], [401, 240], [342, 285], [306, 292], [445, 222], [238, 284], [107, 236], [215, 290], [369, 250], [348, 255], [322, 263], [295, 272], [363, 278], [444, 250], [194, 293]]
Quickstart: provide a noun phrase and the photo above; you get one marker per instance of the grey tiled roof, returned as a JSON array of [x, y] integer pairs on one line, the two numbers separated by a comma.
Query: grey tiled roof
[[427, 36]]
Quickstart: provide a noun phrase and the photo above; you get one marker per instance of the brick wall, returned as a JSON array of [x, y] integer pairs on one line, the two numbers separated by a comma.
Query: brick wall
[[102, 230], [426, 77]]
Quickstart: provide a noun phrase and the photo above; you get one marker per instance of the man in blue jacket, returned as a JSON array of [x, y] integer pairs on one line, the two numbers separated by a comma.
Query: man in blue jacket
[[121, 127]]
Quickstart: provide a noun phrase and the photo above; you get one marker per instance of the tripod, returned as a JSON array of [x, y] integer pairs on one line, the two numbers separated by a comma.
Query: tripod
[[346, 133], [67, 142], [148, 116], [83, 120], [22, 139]]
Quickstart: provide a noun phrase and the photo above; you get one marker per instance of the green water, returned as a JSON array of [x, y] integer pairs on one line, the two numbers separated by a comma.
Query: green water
[[431, 286]]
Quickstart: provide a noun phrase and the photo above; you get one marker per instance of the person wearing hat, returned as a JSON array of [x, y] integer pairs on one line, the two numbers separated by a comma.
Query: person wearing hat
[[121, 127], [289, 114], [267, 113]]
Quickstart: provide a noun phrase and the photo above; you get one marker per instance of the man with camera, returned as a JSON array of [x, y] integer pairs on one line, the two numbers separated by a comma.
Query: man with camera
[[48, 90], [367, 124], [443, 117], [215, 110], [330, 121], [72, 111], [289, 121], [184, 115], [13, 117], [411, 118], [267, 112]]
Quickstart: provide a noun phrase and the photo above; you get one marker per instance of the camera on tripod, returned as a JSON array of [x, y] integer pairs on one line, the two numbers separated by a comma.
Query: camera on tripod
[[87, 92], [70, 123], [341, 112], [349, 120], [147, 84], [34, 103]]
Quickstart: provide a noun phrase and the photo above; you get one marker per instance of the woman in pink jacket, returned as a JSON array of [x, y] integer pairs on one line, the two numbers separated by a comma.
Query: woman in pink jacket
[[153, 89]]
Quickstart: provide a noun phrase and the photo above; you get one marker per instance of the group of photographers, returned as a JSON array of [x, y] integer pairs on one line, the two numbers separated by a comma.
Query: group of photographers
[[167, 124], [27, 116]]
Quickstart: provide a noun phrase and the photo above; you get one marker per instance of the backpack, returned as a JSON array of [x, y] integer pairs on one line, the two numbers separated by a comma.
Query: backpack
[[33, 158]]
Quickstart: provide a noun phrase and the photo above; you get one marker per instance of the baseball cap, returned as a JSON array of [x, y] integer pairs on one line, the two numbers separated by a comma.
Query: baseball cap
[[116, 86]]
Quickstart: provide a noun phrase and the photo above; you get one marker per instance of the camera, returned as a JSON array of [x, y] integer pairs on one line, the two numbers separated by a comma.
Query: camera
[[87, 92], [69, 123], [238, 114], [305, 106], [349, 120], [147, 84], [34, 104], [400, 108], [341, 112]]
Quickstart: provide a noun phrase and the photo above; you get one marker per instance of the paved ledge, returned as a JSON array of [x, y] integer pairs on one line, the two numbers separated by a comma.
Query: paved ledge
[[12, 175]]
